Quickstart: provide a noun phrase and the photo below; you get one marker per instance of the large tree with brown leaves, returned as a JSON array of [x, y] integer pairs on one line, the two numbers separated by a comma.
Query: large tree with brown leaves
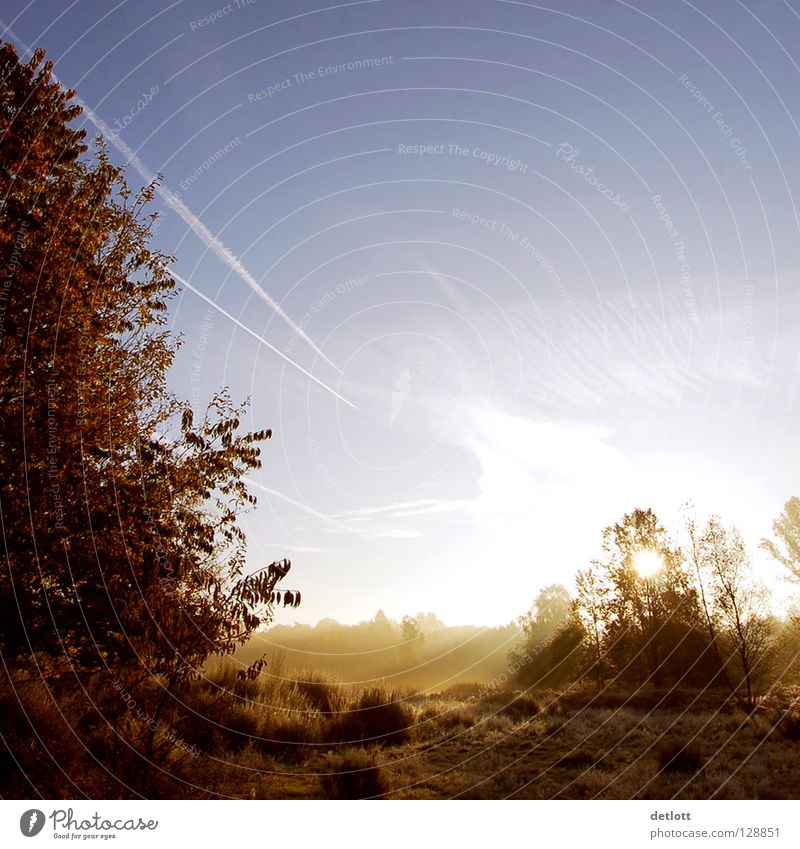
[[119, 511]]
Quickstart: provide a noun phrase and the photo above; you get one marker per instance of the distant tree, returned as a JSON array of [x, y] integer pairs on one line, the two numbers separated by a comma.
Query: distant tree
[[429, 623], [411, 634], [121, 548], [550, 609], [552, 605], [381, 623], [558, 661], [787, 529]]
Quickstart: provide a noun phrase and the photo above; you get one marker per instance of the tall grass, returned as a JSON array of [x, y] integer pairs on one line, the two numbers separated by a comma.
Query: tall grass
[[279, 714]]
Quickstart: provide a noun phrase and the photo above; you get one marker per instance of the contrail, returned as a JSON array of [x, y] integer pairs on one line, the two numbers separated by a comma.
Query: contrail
[[255, 335], [212, 242], [329, 520]]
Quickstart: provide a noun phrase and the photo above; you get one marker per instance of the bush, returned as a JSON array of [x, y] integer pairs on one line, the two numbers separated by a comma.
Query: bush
[[377, 717], [576, 759], [514, 705], [676, 756], [224, 676], [557, 662], [59, 741], [353, 774], [320, 694], [789, 727], [454, 718]]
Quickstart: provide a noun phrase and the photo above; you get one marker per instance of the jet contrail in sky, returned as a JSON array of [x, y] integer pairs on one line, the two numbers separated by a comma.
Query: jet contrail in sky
[[212, 242], [255, 335]]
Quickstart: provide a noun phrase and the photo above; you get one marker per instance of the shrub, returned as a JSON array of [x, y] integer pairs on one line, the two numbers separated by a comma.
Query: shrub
[[454, 718], [59, 741], [224, 677], [353, 774], [514, 705], [789, 727], [237, 726], [676, 756], [377, 717], [576, 759], [320, 694]]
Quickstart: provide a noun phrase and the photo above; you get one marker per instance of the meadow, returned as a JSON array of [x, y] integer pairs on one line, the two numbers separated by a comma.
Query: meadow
[[286, 735]]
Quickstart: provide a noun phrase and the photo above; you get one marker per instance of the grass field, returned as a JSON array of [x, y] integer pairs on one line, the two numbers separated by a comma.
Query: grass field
[[341, 742], [301, 736]]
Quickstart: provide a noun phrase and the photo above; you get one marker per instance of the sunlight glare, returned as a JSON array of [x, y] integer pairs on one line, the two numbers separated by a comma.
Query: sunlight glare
[[647, 562]]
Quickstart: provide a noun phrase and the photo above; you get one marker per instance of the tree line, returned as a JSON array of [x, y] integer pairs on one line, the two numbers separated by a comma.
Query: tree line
[[651, 611]]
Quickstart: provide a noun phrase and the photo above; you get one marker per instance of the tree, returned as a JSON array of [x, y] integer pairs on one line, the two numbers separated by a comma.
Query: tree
[[552, 605], [557, 661], [640, 595], [736, 608], [429, 623], [411, 633], [589, 606], [381, 622], [550, 609], [645, 616], [787, 528], [121, 546], [698, 551]]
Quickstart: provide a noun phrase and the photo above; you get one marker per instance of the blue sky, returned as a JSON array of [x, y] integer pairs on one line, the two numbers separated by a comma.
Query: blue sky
[[533, 266]]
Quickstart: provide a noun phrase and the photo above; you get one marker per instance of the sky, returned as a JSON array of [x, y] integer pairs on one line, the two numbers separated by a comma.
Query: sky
[[494, 273]]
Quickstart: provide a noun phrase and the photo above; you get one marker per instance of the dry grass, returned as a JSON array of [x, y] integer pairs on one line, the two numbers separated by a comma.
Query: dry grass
[[353, 774], [277, 737]]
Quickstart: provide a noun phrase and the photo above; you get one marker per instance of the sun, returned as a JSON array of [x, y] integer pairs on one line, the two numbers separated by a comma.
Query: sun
[[647, 562]]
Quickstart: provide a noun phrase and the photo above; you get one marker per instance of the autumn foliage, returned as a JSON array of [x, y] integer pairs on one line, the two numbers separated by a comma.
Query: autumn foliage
[[119, 509]]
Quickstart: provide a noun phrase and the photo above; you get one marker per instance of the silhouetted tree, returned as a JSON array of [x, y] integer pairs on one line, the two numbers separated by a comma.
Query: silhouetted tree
[[736, 608], [121, 547], [558, 661], [411, 634], [787, 529], [645, 616], [698, 552], [549, 611], [589, 607]]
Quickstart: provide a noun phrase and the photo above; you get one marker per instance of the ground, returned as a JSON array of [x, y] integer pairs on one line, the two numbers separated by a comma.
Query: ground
[[549, 745]]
